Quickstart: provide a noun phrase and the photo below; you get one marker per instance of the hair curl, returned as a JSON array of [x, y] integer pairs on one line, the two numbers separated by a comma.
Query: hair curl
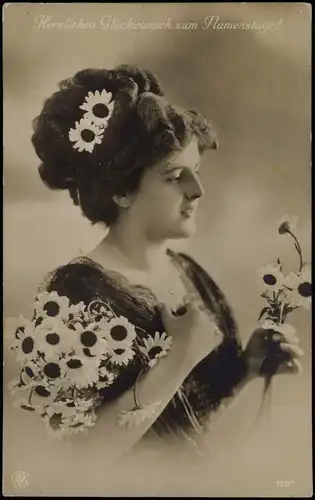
[[143, 129]]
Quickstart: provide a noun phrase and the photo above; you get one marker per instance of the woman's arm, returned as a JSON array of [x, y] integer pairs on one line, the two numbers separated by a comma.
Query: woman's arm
[[192, 341], [110, 441]]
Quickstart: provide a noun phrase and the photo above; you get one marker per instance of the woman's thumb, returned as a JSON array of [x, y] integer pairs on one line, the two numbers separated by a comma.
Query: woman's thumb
[[163, 310]]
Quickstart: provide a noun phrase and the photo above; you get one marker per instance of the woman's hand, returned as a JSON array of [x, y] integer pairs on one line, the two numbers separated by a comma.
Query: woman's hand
[[193, 327], [268, 350]]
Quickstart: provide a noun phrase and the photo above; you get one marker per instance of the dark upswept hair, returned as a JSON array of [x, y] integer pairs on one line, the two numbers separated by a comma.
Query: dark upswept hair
[[144, 128]]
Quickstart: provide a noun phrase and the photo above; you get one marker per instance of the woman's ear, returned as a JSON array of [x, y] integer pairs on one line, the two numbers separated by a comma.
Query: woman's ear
[[123, 201]]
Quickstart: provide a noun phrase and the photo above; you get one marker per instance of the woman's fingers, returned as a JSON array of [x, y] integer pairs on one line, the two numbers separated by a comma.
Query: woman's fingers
[[164, 311], [293, 339], [292, 366], [296, 363], [292, 349], [190, 297]]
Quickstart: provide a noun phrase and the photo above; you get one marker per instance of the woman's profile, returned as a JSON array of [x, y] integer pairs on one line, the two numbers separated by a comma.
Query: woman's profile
[[131, 162]]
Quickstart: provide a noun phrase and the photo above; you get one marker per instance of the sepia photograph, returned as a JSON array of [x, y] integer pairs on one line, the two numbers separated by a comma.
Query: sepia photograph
[[157, 285]]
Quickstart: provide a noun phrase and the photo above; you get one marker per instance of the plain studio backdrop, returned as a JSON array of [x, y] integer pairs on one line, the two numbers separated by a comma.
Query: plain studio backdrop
[[255, 85]]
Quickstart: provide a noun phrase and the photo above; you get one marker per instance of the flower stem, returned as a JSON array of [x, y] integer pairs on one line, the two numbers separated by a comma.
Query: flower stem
[[135, 390], [298, 248], [30, 397]]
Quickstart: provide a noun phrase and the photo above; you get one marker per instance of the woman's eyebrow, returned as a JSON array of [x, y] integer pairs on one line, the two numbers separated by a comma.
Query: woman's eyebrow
[[170, 169]]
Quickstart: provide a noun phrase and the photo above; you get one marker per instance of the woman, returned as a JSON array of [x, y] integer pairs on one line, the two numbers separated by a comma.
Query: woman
[[131, 161]]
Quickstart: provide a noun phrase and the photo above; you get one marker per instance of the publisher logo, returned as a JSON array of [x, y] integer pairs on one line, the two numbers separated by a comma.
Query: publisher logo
[[20, 479]]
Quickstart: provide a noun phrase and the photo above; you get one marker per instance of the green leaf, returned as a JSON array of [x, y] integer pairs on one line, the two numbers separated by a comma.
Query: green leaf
[[262, 312]]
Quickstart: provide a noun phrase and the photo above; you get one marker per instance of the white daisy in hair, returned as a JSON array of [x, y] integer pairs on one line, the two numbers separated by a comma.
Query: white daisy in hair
[[99, 107], [271, 278], [88, 340], [137, 416], [80, 371], [156, 347], [120, 355], [119, 332], [298, 288], [85, 135]]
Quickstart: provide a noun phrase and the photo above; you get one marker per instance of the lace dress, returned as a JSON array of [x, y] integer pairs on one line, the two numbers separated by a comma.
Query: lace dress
[[212, 380]]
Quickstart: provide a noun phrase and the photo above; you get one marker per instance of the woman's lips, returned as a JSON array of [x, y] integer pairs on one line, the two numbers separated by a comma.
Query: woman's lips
[[188, 212]]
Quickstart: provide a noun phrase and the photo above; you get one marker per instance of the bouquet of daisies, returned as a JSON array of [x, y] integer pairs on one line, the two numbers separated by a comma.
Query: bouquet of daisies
[[283, 293], [68, 354]]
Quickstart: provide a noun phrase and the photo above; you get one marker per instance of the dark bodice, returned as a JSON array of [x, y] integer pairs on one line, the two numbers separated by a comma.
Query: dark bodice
[[213, 379]]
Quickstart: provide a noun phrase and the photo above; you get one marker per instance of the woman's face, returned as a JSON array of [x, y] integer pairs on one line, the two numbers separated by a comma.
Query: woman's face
[[165, 204]]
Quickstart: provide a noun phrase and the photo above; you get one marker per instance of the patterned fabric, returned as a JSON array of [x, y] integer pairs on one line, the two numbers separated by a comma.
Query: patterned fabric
[[211, 381]]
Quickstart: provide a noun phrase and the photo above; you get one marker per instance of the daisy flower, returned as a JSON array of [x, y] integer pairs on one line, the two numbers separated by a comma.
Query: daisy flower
[[44, 393], [23, 404], [80, 372], [66, 408], [119, 332], [25, 396], [121, 356], [271, 278], [106, 378], [52, 370], [298, 288], [25, 345], [136, 416], [84, 405], [55, 424], [30, 372], [80, 420], [49, 305], [156, 347], [14, 328], [85, 135], [287, 224], [88, 340], [54, 338], [99, 107]]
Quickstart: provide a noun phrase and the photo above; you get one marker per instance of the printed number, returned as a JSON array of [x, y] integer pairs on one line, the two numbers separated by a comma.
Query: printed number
[[285, 484]]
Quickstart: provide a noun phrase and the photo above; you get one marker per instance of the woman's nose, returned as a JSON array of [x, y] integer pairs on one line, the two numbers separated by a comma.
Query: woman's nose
[[194, 189]]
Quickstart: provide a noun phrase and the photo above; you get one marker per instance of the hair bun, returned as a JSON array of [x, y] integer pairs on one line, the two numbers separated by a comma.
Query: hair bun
[[106, 153]]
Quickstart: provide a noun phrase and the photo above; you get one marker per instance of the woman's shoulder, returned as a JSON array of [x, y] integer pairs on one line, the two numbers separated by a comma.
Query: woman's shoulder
[[80, 279]]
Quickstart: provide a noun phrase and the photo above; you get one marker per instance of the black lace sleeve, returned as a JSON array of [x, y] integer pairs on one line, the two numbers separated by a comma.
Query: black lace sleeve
[[217, 376], [220, 373]]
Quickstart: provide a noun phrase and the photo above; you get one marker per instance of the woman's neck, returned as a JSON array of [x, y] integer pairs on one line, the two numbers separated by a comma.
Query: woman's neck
[[136, 248]]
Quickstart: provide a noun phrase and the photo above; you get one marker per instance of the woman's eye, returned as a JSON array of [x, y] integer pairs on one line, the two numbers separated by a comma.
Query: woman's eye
[[174, 179]]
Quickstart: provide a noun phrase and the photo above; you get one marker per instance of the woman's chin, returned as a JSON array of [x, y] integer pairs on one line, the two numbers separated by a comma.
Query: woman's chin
[[184, 230]]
